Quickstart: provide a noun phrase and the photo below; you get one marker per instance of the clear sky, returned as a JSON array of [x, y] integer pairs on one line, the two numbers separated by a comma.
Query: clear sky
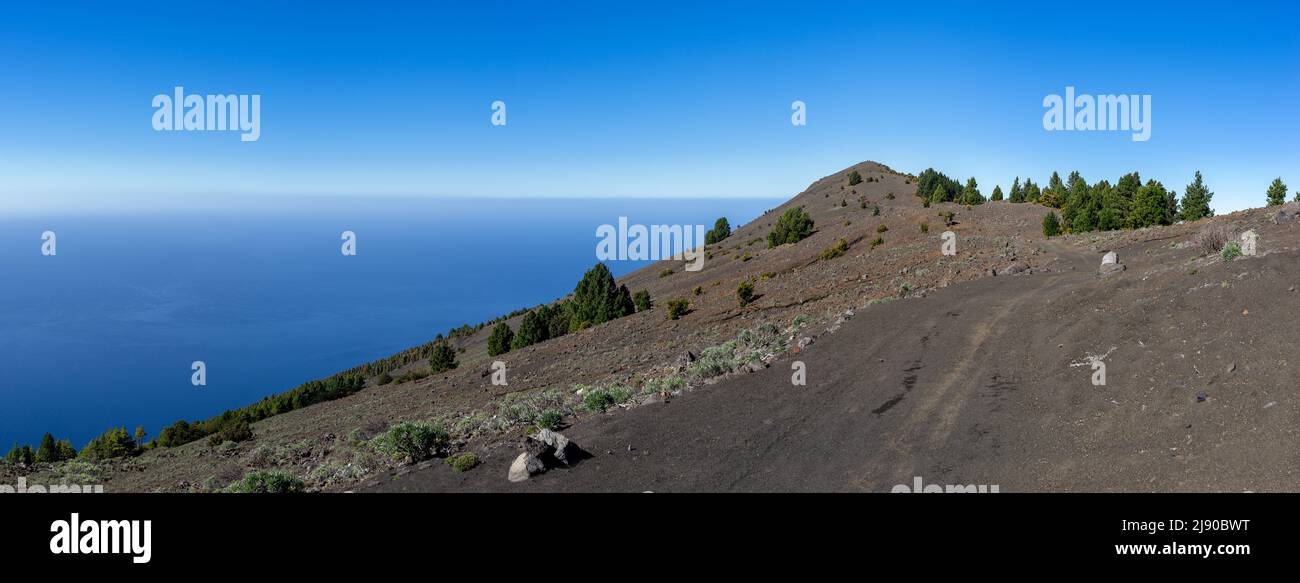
[[615, 99]]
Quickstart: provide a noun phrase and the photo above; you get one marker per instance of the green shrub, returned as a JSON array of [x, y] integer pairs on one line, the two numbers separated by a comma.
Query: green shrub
[[882, 229], [642, 301], [443, 358], [666, 273], [889, 196], [699, 290], [499, 340], [716, 360], [678, 307], [412, 440], [597, 399], [793, 226], [1231, 250], [855, 178], [549, 419], [834, 251], [875, 211], [745, 293], [463, 462], [236, 432], [878, 241], [267, 482], [925, 227]]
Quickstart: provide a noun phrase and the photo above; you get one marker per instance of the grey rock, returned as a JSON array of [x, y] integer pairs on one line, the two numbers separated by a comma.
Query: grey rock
[[558, 446]]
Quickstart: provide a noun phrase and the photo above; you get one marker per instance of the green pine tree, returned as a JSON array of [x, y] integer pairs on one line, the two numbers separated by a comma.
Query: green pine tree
[[1196, 200], [1276, 192], [499, 340]]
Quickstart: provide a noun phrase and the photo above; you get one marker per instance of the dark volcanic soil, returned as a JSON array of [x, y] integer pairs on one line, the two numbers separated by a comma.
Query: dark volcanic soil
[[974, 384]]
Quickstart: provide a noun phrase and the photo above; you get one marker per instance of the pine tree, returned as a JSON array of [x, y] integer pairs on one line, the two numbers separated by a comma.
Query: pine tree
[[1054, 194], [499, 340], [997, 193], [47, 451], [598, 299], [532, 329], [1032, 192], [1126, 196], [443, 358], [970, 195], [1196, 200], [1051, 225], [794, 225], [1016, 194], [1150, 206], [721, 230], [1276, 192]]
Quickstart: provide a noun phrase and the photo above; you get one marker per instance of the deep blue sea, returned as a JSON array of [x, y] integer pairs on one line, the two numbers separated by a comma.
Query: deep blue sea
[[103, 333]]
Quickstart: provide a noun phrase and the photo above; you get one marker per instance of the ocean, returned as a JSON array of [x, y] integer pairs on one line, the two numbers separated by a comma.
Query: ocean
[[103, 333]]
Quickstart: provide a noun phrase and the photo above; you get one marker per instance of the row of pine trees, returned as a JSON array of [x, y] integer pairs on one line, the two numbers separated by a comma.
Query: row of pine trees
[[1101, 206]]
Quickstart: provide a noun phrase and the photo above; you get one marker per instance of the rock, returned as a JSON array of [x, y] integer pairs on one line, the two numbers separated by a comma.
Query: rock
[[557, 446], [754, 366], [805, 342], [1012, 269], [654, 399], [1201, 396], [1232, 367], [525, 466], [1109, 257], [1110, 268], [684, 361], [1283, 216]]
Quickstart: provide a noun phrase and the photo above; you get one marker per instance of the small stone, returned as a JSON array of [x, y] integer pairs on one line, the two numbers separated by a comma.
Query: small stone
[[1201, 396], [1232, 367]]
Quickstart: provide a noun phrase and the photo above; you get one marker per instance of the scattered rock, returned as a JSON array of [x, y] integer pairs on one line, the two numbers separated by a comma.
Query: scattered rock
[[1201, 396], [1110, 264], [525, 466], [805, 342], [557, 446], [1232, 367], [1013, 269], [684, 361]]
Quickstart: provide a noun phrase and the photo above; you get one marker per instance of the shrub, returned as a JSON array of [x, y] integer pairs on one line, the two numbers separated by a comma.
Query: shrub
[[677, 307], [745, 293], [875, 211], [1231, 250], [499, 340], [463, 462], [699, 290], [267, 482], [549, 419], [881, 229], [1051, 225], [855, 178], [793, 226], [236, 432], [642, 301], [878, 241], [949, 218], [597, 399], [716, 360], [1211, 239], [443, 358], [925, 227], [925, 202], [21, 455], [835, 250], [412, 440]]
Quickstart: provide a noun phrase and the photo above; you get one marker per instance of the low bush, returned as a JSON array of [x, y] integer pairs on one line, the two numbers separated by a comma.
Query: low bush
[[414, 441], [267, 482], [835, 250], [745, 293], [677, 307], [642, 300], [463, 462], [1231, 250], [1211, 239]]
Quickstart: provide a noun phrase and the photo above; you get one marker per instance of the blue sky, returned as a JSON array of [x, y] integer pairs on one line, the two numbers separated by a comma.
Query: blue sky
[[613, 99]]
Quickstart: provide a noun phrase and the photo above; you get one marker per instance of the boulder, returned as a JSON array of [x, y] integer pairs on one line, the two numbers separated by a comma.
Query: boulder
[[1110, 264], [525, 466], [558, 447]]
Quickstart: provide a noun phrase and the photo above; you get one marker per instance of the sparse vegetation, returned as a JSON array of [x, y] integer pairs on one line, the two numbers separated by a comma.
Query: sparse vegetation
[[1231, 250], [881, 228], [745, 293], [878, 241], [1211, 239], [443, 358], [835, 250], [642, 301], [677, 307], [267, 482], [233, 432], [549, 419], [925, 227]]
